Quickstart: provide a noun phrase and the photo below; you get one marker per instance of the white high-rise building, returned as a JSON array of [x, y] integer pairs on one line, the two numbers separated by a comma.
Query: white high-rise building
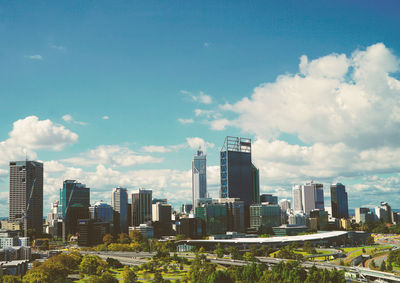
[[199, 177], [297, 198], [308, 197], [119, 203]]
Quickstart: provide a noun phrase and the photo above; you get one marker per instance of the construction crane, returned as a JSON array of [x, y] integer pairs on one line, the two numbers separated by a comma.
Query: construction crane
[[25, 212], [64, 215]]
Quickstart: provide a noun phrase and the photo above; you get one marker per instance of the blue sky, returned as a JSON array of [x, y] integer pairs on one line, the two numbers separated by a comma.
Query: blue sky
[[176, 75]]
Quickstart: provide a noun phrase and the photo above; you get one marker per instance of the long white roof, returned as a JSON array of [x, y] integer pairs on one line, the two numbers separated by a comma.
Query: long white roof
[[283, 239]]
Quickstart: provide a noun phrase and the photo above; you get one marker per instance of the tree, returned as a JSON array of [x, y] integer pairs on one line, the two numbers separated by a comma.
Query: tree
[[112, 262], [158, 277], [136, 236], [108, 239], [89, 264], [11, 279], [124, 238], [36, 275], [370, 240], [373, 265], [383, 266], [389, 266], [219, 251], [128, 275]]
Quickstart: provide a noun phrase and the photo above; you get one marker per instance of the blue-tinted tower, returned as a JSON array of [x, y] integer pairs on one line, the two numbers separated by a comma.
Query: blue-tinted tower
[[339, 201]]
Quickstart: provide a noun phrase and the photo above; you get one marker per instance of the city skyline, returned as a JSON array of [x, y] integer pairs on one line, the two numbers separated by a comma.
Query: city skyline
[[125, 98]]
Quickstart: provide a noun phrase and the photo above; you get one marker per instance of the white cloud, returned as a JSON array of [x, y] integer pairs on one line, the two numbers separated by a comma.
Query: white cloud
[[185, 121], [156, 148], [34, 57], [201, 97], [196, 142], [105, 117], [32, 133], [112, 155], [206, 44], [220, 124], [328, 102], [69, 119]]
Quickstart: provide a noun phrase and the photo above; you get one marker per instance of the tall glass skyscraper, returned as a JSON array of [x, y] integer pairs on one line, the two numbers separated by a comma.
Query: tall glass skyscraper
[[199, 177], [74, 202], [339, 201], [141, 207]]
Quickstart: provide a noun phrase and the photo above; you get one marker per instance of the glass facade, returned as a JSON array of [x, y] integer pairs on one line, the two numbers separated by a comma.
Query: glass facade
[[339, 201], [214, 217], [199, 177], [263, 217]]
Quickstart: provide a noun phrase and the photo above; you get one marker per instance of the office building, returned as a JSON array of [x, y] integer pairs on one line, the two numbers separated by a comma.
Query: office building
[[271, 199], [255, 184], [308, 197], [363, 215], [322, 219], [214, 217], [339, 201], [101, 212], [26, 194], [312, 197], [199, 177], [192, 228], [74, 204], [239, 179], [119, 202], [186, 208], [265, 216], [146, 230], [161, 212], [91, 232], [141, 207], [297, 219], [234, 214], [385, 212], [297, 199]]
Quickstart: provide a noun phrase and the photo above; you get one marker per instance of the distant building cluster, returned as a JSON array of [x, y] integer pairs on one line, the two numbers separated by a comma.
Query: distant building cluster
[[239, 210]]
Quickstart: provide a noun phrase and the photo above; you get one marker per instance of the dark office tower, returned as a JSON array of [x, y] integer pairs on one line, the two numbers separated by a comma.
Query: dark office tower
[[339, 204], [141, 207], [75, 202], [237, 171], [255, 179], [26, 194]]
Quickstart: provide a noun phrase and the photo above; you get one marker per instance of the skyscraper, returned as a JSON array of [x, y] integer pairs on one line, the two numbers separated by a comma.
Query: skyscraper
[[141, 207], [297, 200], [339, 201], [237, 171], [308, 197], [26, 194], [119, 202], [199, 177], [74, 202], [101, 211]]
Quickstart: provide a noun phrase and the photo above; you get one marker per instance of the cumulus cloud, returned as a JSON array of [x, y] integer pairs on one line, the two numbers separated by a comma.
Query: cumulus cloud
[[112, 155], [336, 98], [200, 98], [34, 57], [196, 142], [32, 133], [105, 117]]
